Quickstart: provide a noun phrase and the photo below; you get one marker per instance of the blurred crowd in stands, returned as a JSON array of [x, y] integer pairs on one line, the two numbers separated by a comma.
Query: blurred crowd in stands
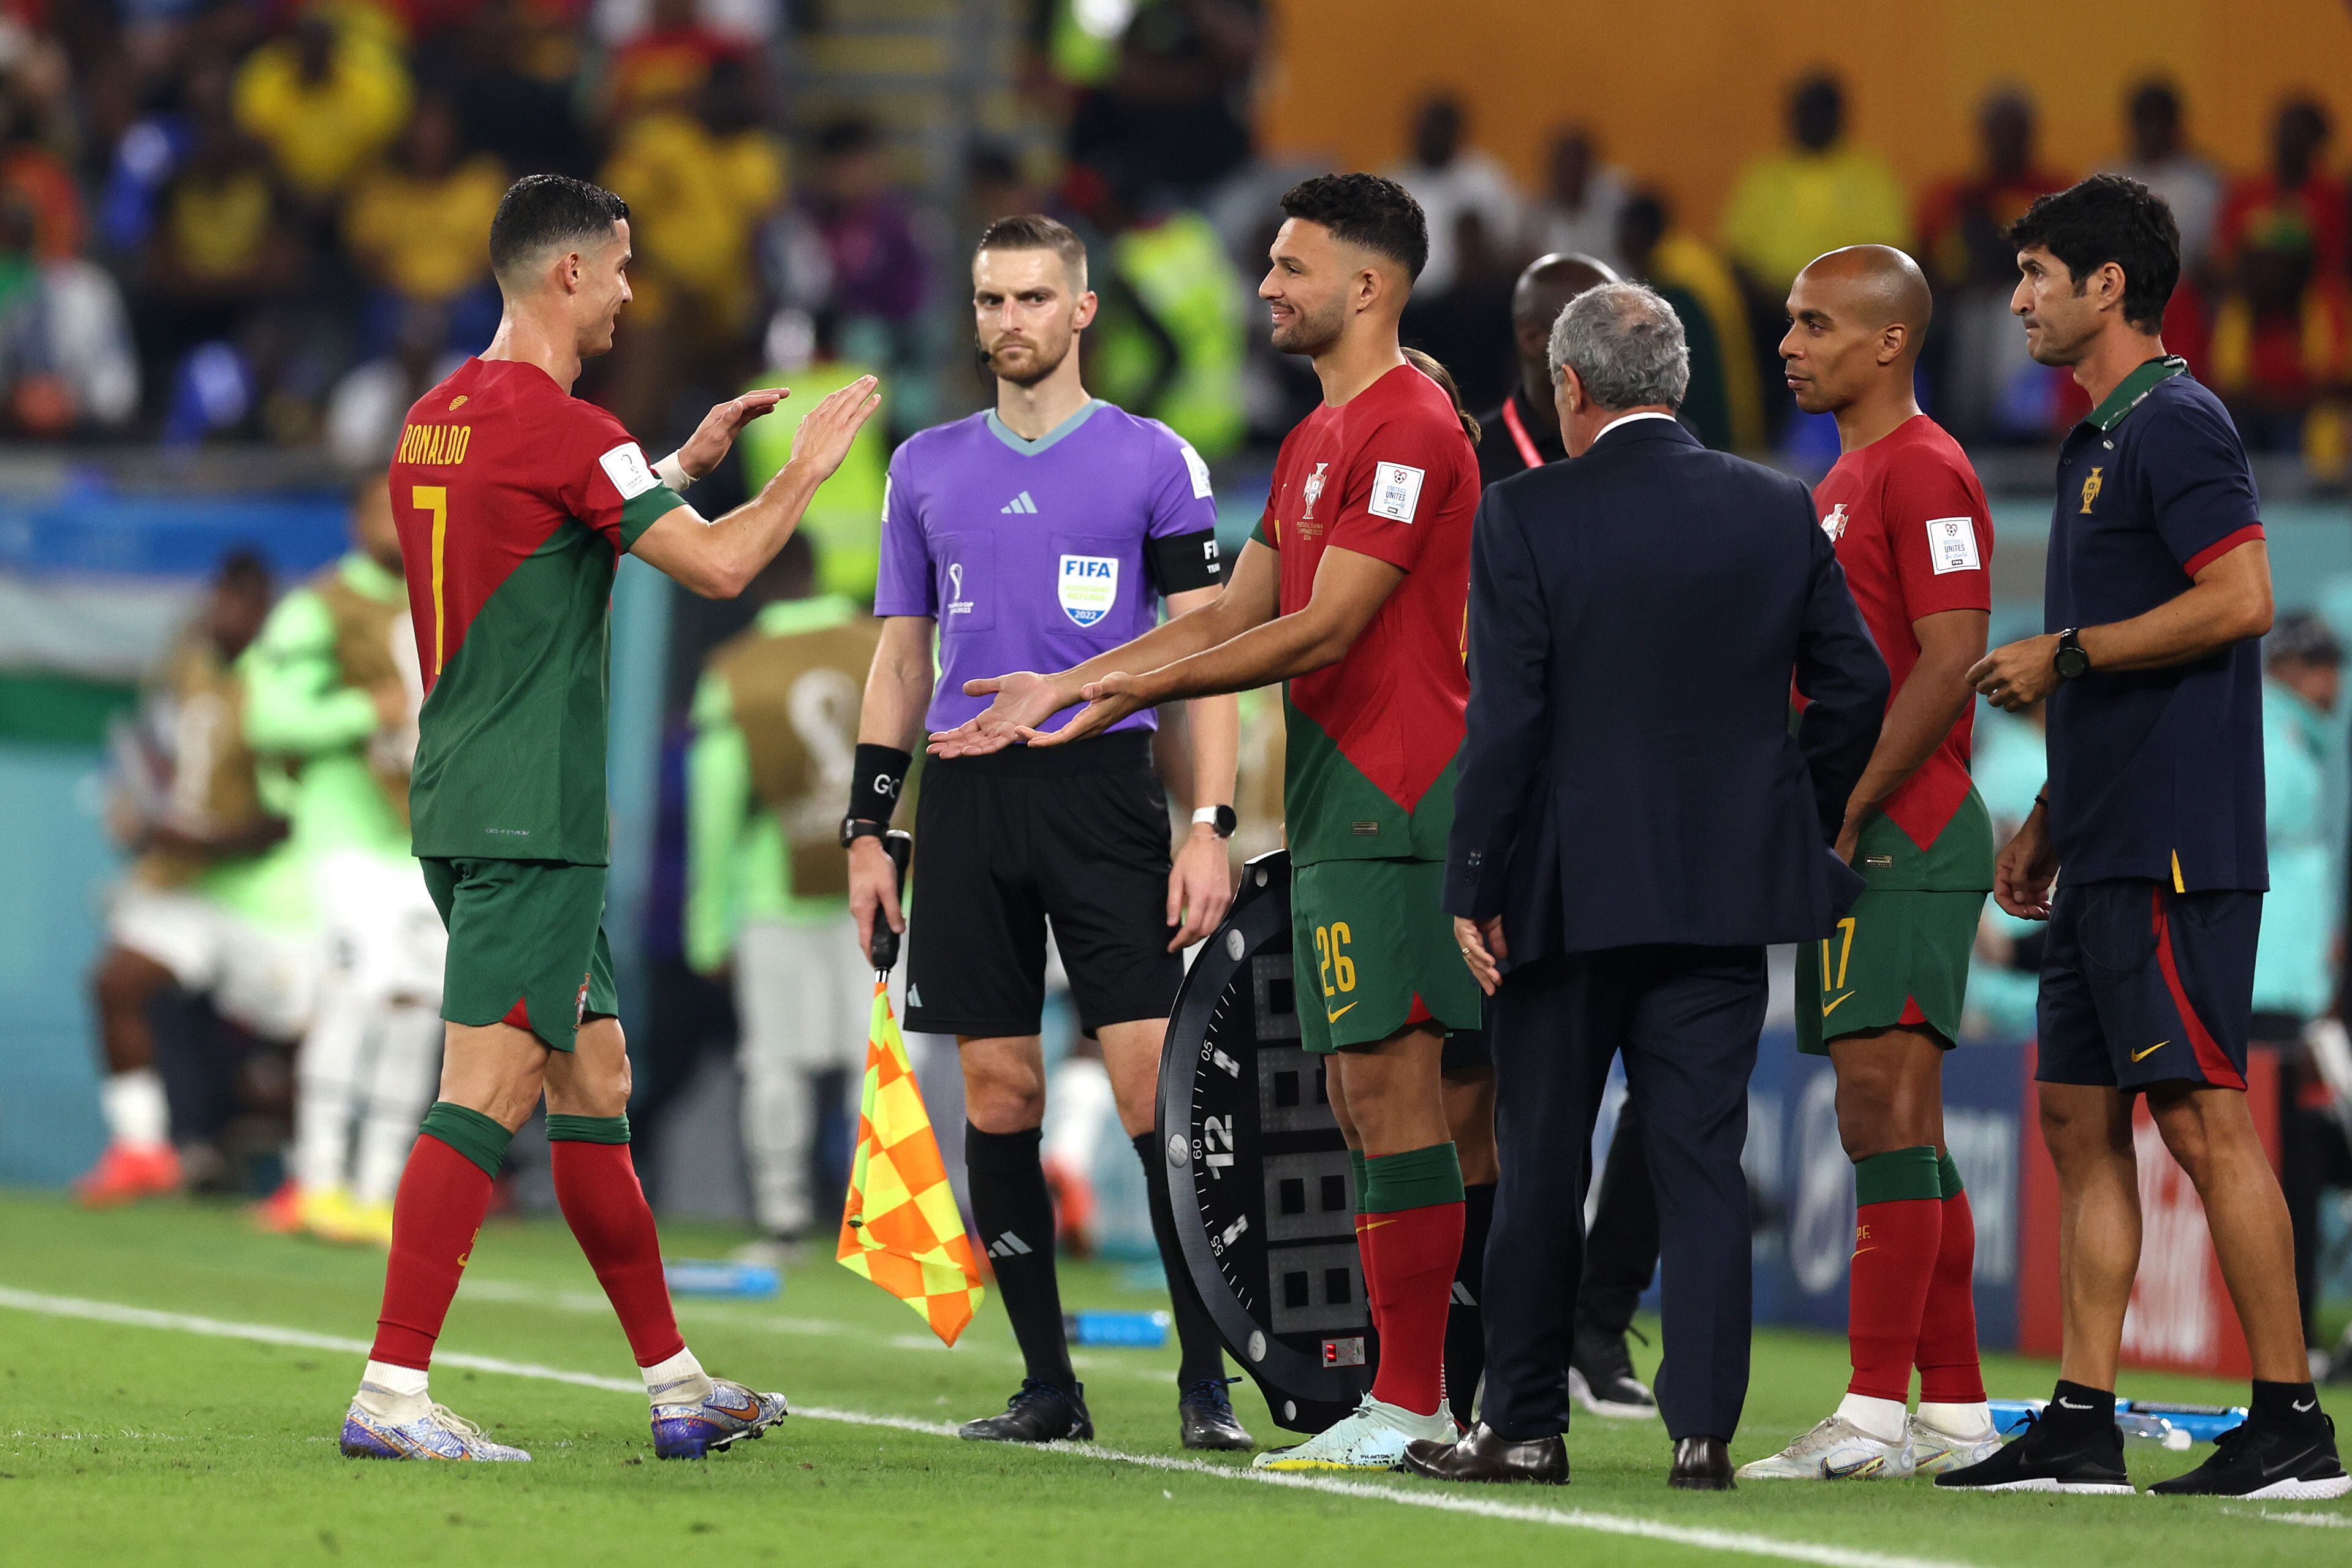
[[264, 220]]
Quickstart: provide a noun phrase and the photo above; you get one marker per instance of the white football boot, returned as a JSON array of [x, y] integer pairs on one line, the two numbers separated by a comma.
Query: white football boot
[[1372, 1437], [1935, 1451], [1834, 1451], [438, 1433]]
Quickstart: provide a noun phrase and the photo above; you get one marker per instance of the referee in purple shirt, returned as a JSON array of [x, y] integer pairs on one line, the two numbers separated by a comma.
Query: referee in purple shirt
[[1033, 538]]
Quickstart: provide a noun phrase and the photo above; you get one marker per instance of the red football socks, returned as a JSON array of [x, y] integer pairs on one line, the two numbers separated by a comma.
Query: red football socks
[[444, 1197], [596, 1186], [1949, 1372], [1898, 1232], [1411, 1250]]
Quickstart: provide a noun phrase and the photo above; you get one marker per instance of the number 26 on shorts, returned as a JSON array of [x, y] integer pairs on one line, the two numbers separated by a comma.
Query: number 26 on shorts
[[1337, 968]]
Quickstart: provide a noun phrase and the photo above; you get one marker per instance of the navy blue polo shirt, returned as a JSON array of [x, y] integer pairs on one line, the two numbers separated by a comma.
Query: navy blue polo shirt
[[2154, 773]]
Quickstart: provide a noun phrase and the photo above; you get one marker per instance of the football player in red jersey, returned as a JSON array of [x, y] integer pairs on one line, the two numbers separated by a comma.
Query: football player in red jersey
[[514, 501], [1353, 592], [1914, 537]]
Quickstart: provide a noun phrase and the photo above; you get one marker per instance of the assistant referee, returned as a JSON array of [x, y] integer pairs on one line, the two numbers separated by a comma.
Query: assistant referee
[[1034, 537]]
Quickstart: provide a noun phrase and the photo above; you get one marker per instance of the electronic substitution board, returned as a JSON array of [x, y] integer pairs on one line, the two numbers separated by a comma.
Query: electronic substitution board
[[1257, 1170]]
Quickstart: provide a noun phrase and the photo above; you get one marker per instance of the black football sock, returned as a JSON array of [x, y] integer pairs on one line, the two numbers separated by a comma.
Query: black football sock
[[1015, 1216], [2075, 1410], [1465, 1323], [1201, 1353], [2293, 1405]]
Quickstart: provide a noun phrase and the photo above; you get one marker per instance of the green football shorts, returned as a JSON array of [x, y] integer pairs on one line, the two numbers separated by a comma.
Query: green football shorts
[[1899, 960], [1373, 953], [526, 945]]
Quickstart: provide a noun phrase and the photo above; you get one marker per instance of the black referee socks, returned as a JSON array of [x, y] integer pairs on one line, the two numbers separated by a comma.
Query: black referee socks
[[1201, 1353], [1014, 1213]]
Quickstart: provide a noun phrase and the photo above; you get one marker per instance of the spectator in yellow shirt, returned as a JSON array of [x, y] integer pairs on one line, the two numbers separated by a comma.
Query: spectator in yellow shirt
[[324, 102], [1789, 206], [698, 188], [416, 224]]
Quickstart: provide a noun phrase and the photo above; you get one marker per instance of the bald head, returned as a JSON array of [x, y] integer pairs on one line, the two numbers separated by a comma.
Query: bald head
[[1857, 319], [1877, 286], [1543, 291], [1549, 282]]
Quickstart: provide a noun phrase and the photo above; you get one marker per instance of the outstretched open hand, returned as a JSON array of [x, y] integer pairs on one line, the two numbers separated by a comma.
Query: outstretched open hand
[[1025, 699]]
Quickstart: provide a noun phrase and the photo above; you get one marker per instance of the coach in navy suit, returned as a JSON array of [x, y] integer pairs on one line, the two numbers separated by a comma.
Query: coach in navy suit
[[1633, 823]]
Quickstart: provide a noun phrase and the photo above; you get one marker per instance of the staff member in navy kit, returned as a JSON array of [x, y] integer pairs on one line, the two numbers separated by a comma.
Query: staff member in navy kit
[[2157, 592]]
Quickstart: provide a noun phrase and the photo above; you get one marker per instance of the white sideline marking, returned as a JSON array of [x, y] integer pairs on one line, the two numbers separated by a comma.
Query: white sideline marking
[[2335, 1520], [1444, 1502]]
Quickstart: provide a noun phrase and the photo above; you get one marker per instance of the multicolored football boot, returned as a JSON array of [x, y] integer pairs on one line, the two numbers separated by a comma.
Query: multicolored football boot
[[439, 1434], [1372, 1437], [729, 1413], [1834, 1451]]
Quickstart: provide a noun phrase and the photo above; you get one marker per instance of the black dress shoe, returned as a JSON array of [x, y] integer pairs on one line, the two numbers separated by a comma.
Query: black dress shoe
[[1205, 1418], [1485, 1455], [1701, 1464]]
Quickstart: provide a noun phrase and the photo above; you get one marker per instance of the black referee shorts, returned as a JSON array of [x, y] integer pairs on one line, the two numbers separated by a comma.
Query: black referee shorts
[[1003, 843]]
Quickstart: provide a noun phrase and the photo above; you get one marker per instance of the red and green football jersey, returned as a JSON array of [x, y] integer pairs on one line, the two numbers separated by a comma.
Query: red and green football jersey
[[1369, 772], [514, 501], [1914, 537]]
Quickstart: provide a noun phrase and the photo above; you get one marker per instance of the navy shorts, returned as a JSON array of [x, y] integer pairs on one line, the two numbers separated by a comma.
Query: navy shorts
[[2141, 985]]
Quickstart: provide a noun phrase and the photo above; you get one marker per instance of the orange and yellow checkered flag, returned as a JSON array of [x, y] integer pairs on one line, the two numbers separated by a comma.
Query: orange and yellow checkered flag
[[900, 1228]]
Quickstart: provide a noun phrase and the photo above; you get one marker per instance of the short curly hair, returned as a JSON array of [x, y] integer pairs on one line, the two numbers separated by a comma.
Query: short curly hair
[[1367, 210]]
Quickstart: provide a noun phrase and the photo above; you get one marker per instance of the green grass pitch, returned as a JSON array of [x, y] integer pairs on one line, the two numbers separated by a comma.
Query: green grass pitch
[[158, 1436]]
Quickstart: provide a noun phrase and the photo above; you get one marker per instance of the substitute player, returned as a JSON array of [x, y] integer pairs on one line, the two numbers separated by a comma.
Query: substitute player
[[775, 731], [2157, 592], [1042, 531], [1352, 590], [514, 501], [331, 690], [1914, 537]]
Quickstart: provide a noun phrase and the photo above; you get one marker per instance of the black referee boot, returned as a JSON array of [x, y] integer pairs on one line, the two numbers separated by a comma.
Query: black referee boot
[[1039, 1413], [1205, 1417]]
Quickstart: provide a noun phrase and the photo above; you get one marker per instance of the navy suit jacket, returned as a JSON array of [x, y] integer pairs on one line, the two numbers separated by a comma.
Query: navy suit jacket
[[1628, 775]]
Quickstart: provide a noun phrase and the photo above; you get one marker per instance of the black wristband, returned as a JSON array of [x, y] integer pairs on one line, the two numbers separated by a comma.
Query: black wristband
[[880, 772]]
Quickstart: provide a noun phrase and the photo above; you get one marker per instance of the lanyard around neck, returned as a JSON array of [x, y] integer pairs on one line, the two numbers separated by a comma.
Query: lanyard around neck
[[1519, 436]]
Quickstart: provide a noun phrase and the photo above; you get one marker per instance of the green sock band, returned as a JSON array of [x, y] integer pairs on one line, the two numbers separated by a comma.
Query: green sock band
[[1355, 1168], [1897, 1177], [1948, 1171], [469, 1132], [587, 1129], [1414, 1179]]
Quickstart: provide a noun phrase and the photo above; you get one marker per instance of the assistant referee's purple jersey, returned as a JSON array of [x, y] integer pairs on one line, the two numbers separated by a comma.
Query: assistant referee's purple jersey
[[1038, 554]]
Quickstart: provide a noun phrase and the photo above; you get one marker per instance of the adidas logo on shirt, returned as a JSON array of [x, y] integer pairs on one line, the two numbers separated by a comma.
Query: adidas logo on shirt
[[914, 996], [1008, 1246], [1020, 503], [1461, 1296]]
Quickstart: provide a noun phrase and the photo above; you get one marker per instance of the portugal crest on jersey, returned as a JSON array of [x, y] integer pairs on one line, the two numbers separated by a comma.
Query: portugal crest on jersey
[[1834, 524], [1087, 586], [1314, 488]]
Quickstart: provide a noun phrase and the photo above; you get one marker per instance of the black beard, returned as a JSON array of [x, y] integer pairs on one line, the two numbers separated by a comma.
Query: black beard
[[1306, 336]]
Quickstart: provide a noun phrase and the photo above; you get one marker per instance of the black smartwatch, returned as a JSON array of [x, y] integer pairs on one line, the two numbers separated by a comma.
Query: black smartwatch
[[2070, 660], [856, 828]]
